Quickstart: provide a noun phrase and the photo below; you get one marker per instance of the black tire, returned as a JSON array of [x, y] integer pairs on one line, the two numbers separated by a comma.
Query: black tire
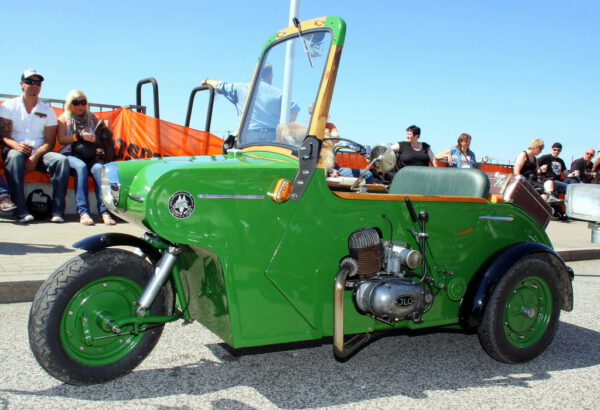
[[54, 332], [518, 323]]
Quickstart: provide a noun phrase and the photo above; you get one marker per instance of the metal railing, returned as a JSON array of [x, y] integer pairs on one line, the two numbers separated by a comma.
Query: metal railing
[[100, 107]]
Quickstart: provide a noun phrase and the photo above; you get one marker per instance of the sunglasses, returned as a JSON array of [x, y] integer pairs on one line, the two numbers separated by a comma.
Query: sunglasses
[[79, 102], [32, 82]]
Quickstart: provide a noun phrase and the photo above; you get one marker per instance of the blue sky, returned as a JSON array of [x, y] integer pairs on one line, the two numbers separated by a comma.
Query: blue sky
[[505, 72]]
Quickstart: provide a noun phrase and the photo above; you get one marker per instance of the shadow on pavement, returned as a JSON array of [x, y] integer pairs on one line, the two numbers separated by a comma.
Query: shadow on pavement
[[311, 377], [15, 248]]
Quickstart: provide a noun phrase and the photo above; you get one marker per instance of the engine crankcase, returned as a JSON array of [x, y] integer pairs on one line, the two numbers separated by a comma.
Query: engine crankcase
[[391, 297]]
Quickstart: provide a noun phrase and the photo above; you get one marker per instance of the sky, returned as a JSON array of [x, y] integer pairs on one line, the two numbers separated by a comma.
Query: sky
[[505, 72]]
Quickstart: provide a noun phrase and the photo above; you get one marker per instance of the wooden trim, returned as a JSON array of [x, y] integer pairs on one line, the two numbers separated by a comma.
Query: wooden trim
[[270, 148], [415, 198], [369, 187]]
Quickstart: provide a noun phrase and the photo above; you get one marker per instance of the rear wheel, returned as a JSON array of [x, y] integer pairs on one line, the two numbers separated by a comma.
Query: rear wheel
[[72, 319], [522, 315]]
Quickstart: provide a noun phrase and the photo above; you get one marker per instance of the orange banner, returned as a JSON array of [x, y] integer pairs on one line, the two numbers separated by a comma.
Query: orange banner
[[139, 136]]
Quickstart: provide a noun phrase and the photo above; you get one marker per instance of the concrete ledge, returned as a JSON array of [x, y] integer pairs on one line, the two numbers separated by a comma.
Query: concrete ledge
[[579, 254], [19, 291]]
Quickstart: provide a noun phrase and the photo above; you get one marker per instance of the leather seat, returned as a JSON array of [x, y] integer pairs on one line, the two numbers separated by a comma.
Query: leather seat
[[441, 181]]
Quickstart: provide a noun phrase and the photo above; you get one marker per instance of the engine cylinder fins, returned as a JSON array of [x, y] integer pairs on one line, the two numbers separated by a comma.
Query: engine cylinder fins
[[365, 247]]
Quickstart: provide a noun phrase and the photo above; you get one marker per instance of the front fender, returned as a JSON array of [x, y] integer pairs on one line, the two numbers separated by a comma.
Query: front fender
[[483, 283], [102, 241]]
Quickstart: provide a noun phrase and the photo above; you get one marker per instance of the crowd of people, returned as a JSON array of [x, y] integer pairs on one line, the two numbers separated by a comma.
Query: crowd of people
[[29, 130]]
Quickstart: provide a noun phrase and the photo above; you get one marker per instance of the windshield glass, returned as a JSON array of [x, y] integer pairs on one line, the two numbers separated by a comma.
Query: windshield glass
[[290, 76]]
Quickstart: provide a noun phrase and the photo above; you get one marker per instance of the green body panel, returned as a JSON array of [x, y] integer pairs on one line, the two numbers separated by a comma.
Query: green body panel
[[259, 272]]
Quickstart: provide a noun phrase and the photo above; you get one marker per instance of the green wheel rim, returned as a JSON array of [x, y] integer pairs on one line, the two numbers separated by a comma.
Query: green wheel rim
[[527, 312], [84, 332]]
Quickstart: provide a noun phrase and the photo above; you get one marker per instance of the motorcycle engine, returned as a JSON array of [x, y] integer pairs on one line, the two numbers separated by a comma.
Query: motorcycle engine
[[381, 288], [392, 298]]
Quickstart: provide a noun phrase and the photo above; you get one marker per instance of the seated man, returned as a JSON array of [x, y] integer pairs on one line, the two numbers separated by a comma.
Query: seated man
[[582, 167], [552, 169], [28, 129]]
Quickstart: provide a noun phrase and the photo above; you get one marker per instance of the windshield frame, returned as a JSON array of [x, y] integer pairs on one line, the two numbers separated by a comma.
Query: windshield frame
[[335, 27]]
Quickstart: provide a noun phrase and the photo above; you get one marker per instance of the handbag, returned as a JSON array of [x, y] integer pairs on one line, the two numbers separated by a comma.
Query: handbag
[[84, 150]]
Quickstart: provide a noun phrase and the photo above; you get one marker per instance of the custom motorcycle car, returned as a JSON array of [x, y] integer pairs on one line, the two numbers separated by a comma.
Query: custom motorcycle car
[[261, 247]]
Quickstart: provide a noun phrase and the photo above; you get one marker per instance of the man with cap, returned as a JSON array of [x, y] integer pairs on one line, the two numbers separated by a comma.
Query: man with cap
[[28, 130], [551, 168]]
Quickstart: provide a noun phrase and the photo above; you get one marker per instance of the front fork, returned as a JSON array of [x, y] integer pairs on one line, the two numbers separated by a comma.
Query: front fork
[[166, 266]]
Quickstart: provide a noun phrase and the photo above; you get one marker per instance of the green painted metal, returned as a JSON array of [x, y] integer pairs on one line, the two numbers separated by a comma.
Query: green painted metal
[[261, 272], [527, 312], [258, 272], [84, 332], [337, 25]]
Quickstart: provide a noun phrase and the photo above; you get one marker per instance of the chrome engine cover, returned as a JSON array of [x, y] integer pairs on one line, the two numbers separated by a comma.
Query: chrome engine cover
[[391, 298]]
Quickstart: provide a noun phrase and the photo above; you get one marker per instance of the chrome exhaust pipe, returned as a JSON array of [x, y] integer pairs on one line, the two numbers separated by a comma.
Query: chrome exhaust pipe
[[342, 348]]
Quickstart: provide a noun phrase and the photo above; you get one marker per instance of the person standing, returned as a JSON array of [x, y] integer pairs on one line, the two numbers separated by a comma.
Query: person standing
[[28, 130], [267, 104]]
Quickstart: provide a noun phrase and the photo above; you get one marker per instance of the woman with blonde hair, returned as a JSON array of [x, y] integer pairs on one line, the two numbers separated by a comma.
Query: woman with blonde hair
[[526, 165], [76, 132]]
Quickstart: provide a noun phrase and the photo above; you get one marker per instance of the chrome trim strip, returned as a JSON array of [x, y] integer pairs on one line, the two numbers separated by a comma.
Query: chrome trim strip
[[136, 198], [497, 218], [224, 196]]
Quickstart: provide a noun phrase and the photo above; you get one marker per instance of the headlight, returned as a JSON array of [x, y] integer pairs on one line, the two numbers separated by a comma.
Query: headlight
[[110, 186]]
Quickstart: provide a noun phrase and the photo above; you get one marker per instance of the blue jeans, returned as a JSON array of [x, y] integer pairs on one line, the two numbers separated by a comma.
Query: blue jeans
[[53, 163], [3, 188], [80, 171], [349, 172]]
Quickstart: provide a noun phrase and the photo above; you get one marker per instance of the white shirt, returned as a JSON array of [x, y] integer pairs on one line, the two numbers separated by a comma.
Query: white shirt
[[28, 127]]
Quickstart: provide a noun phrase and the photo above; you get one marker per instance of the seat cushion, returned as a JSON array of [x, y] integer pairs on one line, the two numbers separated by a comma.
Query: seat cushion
[[441, 181]]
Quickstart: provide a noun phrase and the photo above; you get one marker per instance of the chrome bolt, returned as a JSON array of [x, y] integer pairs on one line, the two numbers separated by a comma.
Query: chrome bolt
[[104, 284], [70, 313], [81, 348], [120, 340]]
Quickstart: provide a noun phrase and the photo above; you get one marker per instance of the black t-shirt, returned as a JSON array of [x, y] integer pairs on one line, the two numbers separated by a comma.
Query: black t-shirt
[[555, 166], [408, 156], [580, 165]]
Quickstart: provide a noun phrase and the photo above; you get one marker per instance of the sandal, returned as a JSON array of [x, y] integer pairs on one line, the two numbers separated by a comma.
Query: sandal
[[107, 219], [86, 219]]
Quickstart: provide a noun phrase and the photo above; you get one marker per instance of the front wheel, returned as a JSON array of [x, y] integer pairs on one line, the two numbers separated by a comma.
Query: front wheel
[[522, 315], [72, 317]]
